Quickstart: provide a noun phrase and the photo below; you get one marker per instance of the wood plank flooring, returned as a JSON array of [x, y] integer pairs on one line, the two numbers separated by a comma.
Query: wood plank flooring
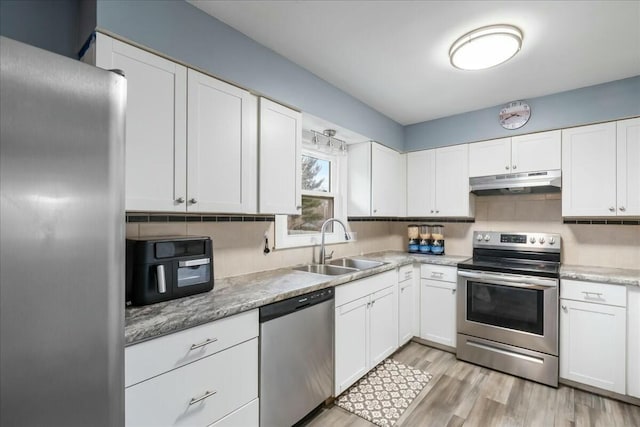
[[462, 394]]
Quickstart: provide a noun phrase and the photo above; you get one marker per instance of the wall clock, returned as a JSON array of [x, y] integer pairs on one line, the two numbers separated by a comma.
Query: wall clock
[[515, 115]]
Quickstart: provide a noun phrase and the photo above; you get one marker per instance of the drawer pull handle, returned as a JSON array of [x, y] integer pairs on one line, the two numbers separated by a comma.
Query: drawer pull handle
[[436, 274], [206, 394], [203, 343], [588, 294]]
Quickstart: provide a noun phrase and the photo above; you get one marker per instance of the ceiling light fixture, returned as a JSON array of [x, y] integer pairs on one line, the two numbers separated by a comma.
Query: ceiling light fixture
[[486, 47]]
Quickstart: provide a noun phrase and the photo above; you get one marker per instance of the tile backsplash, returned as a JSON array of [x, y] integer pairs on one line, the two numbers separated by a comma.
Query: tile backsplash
[[238, 246]]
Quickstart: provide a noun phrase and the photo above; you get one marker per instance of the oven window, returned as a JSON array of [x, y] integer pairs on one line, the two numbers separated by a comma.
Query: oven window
[[506, 306]]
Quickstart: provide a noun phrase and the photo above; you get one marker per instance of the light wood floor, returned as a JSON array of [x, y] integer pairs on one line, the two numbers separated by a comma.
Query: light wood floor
[[464, 394]]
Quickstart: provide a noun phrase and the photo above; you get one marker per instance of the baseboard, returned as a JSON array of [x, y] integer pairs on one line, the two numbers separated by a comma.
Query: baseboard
[[434, 345], [595, 390]]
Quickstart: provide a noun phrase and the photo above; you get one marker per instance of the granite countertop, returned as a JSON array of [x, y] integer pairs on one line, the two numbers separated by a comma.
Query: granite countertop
[[613, 276], [241, 293]]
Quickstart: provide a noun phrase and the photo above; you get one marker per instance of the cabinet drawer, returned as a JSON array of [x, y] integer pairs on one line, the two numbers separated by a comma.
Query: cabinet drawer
[[599, 293], [439, 272], [363, 287], [229, 377], [154, 357], [247, 416], [405, 273]]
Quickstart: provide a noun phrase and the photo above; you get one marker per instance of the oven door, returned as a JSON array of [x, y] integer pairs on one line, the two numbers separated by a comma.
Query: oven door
[[512, 309]]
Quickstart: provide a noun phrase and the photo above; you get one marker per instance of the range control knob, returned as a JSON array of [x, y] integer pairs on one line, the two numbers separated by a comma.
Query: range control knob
[[487, 237], [532, 239], [541, 240], [479, 237], [552, 240]]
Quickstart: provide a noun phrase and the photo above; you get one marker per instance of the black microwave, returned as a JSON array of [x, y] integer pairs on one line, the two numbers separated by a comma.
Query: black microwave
[[165, 268]]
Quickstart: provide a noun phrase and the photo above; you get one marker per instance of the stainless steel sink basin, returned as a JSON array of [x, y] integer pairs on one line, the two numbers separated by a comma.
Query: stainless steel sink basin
[[326, 269], [359, 264]]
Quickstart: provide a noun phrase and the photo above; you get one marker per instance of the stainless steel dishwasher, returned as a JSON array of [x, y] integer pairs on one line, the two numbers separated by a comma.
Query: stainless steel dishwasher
[[296, 357]]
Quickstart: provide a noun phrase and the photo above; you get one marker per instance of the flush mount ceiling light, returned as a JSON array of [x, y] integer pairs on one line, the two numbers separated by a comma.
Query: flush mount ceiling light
[[485, 47]]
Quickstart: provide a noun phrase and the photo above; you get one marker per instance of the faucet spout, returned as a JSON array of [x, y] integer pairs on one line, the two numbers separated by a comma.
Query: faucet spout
[[323, 256]]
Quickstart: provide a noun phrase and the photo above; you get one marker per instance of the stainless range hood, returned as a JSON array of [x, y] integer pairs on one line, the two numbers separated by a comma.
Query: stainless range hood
[[517, 183]]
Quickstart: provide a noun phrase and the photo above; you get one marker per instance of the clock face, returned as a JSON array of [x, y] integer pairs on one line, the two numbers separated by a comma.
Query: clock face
[[515, 115]]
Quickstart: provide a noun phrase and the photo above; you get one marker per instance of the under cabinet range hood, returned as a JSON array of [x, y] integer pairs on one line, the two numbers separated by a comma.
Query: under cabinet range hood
[[517, 183]]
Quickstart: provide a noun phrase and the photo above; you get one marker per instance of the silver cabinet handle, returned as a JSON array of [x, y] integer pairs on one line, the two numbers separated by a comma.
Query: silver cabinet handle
[[514, 167], [375, 210], [453, 291], [622, 208], [564, 307], [299, 207], [431, 210], [180, 200], [194, 262], [597, 294], [437, 274], [162, 283], [612, 209], [193, 200], [206, 394], [203, 343], [506, 167], [437, 211]]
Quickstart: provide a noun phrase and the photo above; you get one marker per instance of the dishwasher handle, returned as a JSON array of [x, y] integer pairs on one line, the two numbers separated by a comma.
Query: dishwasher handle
[[291, 305]]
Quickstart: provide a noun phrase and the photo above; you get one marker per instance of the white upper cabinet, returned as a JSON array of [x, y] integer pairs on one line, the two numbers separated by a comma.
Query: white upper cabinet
[[376, 181], [279, 159], [222, 146], [600, 169], [438, 182], [155, 168], [525, 153], [628, 164], [387, 182], [215, 169]]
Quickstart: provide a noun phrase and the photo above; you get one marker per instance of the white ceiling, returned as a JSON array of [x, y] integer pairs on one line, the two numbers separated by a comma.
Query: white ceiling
[[393, 55]]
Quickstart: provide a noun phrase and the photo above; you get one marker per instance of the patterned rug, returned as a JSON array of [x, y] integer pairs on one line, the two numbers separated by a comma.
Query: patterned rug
[[384, 393]]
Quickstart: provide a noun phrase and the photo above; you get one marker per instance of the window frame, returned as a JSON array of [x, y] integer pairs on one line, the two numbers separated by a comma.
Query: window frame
[[337, 191]]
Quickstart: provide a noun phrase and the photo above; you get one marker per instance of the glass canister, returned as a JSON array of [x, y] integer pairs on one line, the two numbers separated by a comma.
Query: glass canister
[[413, 232], [437, 239], [425, 239]]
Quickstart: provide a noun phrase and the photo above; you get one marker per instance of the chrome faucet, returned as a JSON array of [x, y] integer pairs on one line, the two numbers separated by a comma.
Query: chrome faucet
[[323, 256]]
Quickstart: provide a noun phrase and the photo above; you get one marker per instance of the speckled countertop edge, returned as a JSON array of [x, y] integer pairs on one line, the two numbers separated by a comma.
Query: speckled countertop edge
[[234, 295], [613, 276]]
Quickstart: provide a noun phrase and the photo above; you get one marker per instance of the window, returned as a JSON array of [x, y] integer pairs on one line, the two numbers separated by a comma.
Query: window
[[324, 191]]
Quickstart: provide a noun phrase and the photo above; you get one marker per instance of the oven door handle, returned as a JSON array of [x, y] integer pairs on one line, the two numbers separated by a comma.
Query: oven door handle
[[512, 280]]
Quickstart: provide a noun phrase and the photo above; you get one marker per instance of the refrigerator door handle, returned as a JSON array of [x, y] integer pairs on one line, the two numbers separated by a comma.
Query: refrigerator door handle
[[162, 283]]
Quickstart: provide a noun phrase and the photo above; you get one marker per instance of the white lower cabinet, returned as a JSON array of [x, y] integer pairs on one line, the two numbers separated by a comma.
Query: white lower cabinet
[[593, 334], [408, 305], [218, 383], [438, 304], [366, 326], [633, 342]]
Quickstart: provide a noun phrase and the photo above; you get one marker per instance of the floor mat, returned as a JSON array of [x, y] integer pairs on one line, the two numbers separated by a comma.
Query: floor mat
[[384, 393]]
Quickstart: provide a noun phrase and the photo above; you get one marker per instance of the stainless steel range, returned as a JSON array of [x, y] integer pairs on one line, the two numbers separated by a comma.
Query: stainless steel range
[[508, 304]]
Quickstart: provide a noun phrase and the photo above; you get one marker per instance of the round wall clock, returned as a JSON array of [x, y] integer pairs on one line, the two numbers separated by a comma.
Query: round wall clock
[[515, 114]]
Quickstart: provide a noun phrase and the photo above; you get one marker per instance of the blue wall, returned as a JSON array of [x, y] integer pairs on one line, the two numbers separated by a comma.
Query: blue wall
[[184, 32], [603, 102], [47, 24]]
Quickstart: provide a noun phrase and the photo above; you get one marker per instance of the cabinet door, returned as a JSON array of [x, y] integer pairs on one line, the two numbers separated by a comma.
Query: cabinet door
[[383, 317], [359, 174], [589, 170], [628, 178], [490, 157], [351, 343], [592, 344], [536, 152], [280, 163], [222, 146], [420, 183], [155, 170], [452, 197], [633, 341], [387, 182], [438, 312], [406, 312]]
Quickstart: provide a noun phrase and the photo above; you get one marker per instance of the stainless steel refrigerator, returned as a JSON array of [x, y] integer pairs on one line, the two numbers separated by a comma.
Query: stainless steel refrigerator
[[62, 240]]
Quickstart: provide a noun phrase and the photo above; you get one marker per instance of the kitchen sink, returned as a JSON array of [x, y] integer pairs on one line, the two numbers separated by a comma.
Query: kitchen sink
[[326, 269], [359, 264]]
